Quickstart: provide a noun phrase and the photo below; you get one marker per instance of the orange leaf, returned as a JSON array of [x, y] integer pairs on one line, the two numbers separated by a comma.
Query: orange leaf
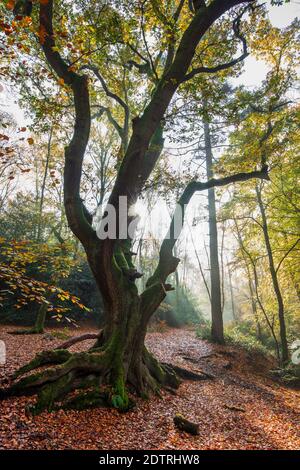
[[10, 5], [42, 34]]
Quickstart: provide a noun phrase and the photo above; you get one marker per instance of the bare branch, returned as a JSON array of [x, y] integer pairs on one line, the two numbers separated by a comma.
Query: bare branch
[[112, 120], [178, 11], [227, 65], [287, 254], [167, 262], [108, 92]]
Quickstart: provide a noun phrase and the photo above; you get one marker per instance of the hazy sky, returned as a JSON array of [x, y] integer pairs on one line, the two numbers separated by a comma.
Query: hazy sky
[[281, 17]]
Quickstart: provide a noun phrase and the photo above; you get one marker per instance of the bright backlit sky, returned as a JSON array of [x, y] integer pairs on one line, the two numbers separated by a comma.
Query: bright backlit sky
[[254, 73], [280, 17]]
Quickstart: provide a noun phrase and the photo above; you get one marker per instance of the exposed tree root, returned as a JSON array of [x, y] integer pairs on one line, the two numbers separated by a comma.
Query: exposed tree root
[[188, 374], [190, 359], [101, 371], [31, 331], [78, 339], [58, 356]]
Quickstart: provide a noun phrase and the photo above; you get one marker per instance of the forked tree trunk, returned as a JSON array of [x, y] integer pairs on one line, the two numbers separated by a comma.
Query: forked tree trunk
[[119, 358]]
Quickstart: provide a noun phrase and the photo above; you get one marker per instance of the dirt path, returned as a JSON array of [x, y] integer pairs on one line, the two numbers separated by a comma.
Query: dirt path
[[239, 409]]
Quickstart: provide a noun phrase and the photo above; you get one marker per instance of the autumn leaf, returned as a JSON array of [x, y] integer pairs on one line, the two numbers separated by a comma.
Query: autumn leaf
[[10, 5], [30, 140]]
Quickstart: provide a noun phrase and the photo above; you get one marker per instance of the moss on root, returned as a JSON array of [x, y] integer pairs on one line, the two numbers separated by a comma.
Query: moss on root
[[57, 356], [164, 374], [105, 371], [91, 399], [49, 394], [31, 331]]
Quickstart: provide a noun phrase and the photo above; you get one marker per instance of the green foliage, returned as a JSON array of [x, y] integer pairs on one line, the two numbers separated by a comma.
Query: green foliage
[[244, 335], [62, 335], [289, 375]]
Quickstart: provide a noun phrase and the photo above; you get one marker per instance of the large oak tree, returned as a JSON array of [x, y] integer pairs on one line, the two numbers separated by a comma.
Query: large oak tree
[[119, 359]]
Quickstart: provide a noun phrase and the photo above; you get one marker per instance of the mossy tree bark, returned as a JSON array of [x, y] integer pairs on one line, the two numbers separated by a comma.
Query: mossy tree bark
[[40, 319], [119, 360], [39, 324]]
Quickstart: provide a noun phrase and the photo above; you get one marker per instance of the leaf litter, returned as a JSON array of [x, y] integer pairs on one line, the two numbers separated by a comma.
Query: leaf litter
[[237, 407]]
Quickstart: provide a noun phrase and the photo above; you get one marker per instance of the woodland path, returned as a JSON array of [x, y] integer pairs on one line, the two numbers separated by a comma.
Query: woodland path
[[241, 408]]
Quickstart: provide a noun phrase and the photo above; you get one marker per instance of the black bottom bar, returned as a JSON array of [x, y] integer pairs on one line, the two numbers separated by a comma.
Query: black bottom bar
[[143, 459]]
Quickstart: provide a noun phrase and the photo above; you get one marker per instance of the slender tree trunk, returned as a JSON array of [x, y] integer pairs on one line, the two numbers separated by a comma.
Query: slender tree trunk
[[217, 330], [276, 287], [42, 198], [40, 319], [250, 285], [39, 324], [231, 295], [256, 288]]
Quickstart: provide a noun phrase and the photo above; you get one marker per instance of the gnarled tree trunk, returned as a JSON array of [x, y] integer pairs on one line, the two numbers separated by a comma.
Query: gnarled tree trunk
[[119, 360]]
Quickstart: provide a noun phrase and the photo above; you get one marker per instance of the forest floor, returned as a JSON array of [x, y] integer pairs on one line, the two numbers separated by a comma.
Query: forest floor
[[240, 408]]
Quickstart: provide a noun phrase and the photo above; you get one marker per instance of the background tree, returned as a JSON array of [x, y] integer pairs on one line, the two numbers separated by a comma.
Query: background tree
[[266, 133]]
